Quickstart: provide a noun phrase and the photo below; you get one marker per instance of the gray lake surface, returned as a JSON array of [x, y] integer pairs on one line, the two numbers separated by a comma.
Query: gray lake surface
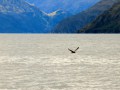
[[43, 62]]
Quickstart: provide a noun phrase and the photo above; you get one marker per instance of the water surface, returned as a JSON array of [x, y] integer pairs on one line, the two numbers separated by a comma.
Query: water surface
[[43, 62]]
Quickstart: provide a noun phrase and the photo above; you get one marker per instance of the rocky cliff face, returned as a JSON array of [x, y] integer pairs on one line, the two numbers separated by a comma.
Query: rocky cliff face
[[108, 22], [76, 22]]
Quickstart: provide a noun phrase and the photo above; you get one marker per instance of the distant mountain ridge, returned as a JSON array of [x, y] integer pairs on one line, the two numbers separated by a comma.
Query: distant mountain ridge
[[16, 6], [108, 22], [17, 16], [71, 6], [76, 22]]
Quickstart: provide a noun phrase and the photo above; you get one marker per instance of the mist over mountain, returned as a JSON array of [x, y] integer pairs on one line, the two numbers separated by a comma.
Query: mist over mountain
[[76, 22], [17, 16], [108, 22]]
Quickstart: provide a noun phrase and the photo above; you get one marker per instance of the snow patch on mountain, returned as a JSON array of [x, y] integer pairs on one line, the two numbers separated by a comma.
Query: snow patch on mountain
[[57, 12]]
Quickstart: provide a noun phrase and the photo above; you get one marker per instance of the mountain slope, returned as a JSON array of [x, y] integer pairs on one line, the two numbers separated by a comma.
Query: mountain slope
[[108, 22], [76, 22], [57, 16], [17, 16]]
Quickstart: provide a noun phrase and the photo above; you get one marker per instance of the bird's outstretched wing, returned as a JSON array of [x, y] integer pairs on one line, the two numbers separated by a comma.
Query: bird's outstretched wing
[[76, 49], [70, 50]]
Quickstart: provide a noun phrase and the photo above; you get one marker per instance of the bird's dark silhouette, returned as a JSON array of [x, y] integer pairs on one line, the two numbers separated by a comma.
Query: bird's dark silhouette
[[72, 50]]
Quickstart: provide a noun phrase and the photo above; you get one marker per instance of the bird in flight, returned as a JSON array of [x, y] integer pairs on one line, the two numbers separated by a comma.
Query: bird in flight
[[72, 50]]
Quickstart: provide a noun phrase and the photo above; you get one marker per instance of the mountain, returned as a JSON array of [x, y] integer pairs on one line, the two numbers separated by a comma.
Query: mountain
[[17, 16], [76, 22], [58, 10], [72, 6], [108, 22]]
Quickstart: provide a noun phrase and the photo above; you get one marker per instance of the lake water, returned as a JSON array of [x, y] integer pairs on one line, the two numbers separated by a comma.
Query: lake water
[[43, 62]]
